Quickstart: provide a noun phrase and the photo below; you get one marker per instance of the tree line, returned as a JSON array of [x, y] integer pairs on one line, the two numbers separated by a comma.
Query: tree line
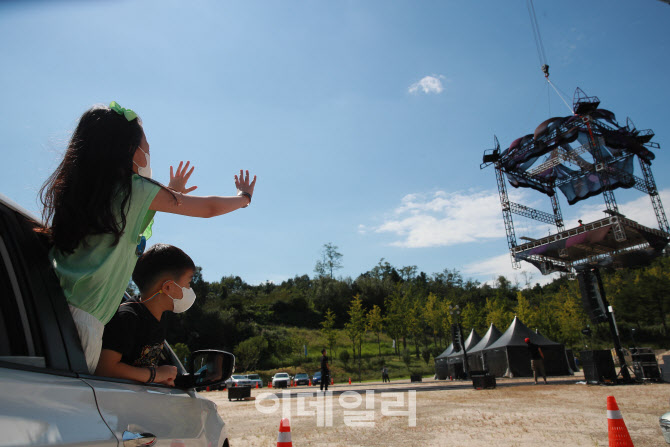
[[414, 308]]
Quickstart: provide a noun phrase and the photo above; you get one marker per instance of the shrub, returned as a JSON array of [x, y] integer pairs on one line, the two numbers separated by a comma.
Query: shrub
[[425, 354]]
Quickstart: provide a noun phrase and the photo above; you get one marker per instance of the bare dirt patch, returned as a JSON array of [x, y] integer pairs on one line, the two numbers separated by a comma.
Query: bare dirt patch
[[516, 413]]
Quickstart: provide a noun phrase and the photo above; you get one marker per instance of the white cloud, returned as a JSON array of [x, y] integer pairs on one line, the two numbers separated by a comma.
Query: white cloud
[[639, 210], [429, 84], [445, 219], [442, 219], [527, 275]]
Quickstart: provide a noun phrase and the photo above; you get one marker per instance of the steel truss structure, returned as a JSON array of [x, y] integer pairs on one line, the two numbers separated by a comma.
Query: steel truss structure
[[623, 234]]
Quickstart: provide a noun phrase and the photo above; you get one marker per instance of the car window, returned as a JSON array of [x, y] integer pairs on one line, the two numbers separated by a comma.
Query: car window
[[17, 344]]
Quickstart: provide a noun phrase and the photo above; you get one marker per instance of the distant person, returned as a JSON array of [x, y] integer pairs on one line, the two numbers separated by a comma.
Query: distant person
[[325, 370], [536, 360], [580, 223], [132, 342], [385, 375], [99, 206]]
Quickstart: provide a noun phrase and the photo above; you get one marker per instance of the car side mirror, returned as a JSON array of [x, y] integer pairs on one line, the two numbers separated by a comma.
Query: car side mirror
[[210, 367]]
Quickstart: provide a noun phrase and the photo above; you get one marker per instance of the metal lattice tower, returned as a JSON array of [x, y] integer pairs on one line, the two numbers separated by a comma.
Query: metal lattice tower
[[653, 195], [599, 134], [507, 215]]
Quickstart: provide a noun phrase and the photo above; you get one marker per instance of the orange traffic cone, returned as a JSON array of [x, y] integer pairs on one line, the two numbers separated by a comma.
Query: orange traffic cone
[[349, 380], [256, 385], [332, 381], [207, 388], [284, 436], [310, 382], [616, 428], [270, 384]]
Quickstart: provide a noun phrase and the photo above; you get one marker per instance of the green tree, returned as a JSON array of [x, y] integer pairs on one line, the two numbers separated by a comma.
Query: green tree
[[328, 330], [375, 324], [525, 312], [433, 315], [415, 323], [397, 307], [182, 352], [249, 352], [497, 313], [472, 318], [356, 328], [330, 260], [448, 319]]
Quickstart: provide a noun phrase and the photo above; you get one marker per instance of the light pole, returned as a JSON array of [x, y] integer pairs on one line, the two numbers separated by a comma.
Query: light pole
[[455, 312]]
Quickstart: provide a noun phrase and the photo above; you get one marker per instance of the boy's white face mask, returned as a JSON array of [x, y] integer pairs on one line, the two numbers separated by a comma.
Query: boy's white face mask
[[186, 301], [144, 171]]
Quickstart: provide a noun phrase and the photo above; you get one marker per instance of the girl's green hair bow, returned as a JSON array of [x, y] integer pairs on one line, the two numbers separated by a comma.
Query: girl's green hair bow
[[129, 114]]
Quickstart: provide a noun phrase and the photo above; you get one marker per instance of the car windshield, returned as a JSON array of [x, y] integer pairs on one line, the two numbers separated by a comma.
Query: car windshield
[[253, 377], [281, 376], [301, 376], [317, 374], [239, 377]]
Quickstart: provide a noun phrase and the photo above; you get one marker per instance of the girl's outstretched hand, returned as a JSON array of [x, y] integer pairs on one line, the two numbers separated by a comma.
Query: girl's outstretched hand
[[179, 179], [242, 182]]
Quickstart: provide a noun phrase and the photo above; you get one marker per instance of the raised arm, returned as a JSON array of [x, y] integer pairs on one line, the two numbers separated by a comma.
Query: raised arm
[[205, 206]]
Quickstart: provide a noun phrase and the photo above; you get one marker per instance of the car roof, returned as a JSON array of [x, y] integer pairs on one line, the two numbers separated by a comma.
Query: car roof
[[18, 208]]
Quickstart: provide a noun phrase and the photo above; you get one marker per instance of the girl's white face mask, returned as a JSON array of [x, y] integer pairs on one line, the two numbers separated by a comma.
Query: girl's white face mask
[[144, 171], [186, 301]]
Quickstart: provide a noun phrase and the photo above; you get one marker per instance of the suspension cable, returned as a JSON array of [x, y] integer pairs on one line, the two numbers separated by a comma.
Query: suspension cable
[[538, 38], [560, 96]]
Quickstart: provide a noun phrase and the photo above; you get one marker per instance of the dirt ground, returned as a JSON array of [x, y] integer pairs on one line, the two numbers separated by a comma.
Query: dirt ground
[[516, 413]]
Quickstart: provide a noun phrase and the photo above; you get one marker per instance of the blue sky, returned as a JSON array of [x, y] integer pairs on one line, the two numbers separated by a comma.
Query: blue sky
[[365, 122]]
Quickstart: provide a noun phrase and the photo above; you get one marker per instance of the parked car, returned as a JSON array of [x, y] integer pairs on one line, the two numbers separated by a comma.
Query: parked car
[[49, 397], [316, 378], [301, 379], [255, 379], [238, 380], [281, 380]]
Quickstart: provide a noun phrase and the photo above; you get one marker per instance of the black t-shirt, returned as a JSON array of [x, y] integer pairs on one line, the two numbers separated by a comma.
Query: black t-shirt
[[534, 351], [136, 334], [324, 363]]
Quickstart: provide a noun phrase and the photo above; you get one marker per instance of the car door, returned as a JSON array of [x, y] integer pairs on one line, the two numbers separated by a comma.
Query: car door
[[173, 416], [42, 401]]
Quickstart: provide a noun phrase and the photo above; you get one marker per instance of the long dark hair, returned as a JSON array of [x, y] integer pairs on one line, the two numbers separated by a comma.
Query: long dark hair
[[89, 192]]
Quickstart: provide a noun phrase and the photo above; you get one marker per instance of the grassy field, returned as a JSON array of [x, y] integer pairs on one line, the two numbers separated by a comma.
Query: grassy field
[[371, 360]]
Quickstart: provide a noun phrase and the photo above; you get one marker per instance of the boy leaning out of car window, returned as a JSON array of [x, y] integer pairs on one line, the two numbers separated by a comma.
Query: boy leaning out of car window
[[133, 339]]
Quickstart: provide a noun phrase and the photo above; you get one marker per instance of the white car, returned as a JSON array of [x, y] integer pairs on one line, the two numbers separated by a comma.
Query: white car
[[48, 395], [281, 380], [237, 380], [255, 379]]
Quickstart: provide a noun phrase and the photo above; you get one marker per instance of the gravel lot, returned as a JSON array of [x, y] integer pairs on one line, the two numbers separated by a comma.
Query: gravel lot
[[516, 413]]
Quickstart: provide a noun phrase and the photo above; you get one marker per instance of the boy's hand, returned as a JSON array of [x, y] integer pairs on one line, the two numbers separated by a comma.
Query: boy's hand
[[178, 181], [242, 183], [166, 374]]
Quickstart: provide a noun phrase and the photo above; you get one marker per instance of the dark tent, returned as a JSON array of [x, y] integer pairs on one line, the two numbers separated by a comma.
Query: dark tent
[[476, 356], [455, 359], [509, 356], [569, 357], [441, 363]]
